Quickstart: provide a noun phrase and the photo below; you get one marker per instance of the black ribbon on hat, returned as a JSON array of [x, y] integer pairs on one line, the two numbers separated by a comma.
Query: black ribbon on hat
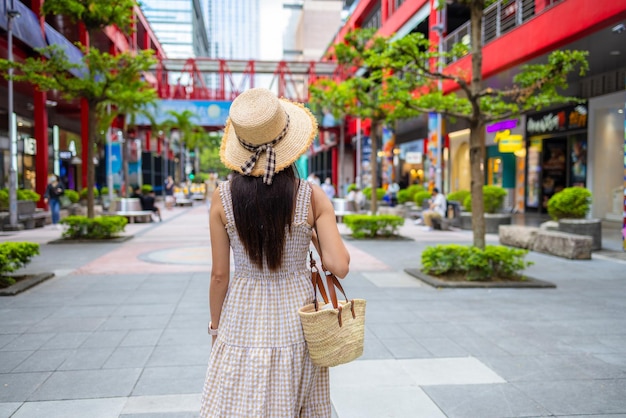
[[268, 147]]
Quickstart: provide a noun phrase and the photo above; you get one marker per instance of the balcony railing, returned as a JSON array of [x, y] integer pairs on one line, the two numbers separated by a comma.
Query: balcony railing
[[499, 18]]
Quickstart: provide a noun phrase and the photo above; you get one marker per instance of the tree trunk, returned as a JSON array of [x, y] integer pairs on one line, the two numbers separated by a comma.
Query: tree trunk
[[91, 171], [477, 181], [374, 165], [477, 137]]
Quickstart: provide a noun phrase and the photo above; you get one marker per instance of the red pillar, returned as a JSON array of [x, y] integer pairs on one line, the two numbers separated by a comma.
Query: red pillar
[[41, 126], [147, 147], [41, 136], [84, 114], [334, 158]]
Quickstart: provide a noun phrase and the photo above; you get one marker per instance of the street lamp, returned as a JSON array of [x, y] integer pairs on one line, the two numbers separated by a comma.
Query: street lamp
[[12, 13]]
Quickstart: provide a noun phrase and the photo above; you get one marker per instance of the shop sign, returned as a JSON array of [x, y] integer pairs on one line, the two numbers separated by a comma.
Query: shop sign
[[569, 118], [413, 157], [508, 142], [65, 155], [30, 146]]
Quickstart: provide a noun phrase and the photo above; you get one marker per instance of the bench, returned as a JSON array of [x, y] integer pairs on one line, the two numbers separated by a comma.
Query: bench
[[343, 207], [561, 244], [518, 236], [182, 200], [37, 219], [131, 209]]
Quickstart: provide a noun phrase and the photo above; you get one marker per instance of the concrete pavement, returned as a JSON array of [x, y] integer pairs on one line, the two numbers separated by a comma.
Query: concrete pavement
[[121, 332]]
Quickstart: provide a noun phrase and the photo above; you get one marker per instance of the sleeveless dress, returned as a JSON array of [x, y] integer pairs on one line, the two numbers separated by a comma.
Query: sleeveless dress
[[260, 364]]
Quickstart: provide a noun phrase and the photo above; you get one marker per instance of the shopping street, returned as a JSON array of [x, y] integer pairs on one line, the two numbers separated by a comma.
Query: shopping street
[[120, 331]]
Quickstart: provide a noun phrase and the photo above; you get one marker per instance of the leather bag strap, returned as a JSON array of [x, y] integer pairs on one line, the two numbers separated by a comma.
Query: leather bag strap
[[331, 280]]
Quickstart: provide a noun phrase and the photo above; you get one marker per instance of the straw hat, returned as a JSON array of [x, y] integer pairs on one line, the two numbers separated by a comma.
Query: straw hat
[[264, 134]]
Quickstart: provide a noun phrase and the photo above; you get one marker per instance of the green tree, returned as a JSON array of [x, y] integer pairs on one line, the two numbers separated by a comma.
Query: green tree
[[183, 122], [104, 76], [406, 63], [364, 96]]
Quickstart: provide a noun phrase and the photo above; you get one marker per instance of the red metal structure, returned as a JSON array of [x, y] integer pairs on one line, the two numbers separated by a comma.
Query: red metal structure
[[219, 79]]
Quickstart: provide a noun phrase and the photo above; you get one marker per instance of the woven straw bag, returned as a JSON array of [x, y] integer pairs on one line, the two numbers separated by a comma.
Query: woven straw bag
[[334, 336]]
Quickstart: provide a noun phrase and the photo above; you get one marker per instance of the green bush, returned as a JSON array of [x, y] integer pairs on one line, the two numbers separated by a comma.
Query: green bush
[[493, 198], [27, 194], [72, 195], [371, 226], [571, 202], [83, 193], [146, 188], [420, 197], [458, 196], [101, 227], [413, 190], [404, 196], [351, 186], [495, 261], [13, 256], [22, 194], [380, 193]]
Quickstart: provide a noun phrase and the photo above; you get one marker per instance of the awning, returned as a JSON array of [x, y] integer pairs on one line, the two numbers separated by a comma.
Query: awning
[[72, 53], [25, 27]]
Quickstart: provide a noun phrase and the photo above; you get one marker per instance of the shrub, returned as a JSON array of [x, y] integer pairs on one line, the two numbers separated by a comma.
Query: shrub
[[420, 197], [27, 194], [458, 196], [101, 227], [404, 196], [372, 226], [13, 256], [380, 193], [495, 261], [72, 195], [571, 202], [493, 198], [22, 194], [351, 186], [413, 190], [146, 188], [83, 193]]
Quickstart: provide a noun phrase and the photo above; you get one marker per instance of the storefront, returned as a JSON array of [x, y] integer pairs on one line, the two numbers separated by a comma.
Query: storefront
[[411, 163], [556, 154], [606, 156], [506, 161]]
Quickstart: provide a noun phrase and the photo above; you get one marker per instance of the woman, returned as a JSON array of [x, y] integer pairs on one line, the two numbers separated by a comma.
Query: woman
[[52, 196], [169, 192], [259, 365]]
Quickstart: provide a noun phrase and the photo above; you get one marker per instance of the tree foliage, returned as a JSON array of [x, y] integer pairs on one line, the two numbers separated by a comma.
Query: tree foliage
[[399, 79], [101, 78]]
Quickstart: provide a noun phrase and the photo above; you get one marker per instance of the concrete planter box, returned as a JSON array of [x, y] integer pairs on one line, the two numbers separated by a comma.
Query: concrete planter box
[[589, 227], [492, 221]]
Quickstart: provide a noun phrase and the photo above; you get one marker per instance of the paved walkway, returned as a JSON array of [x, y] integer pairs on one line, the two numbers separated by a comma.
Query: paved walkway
[[121, 332]]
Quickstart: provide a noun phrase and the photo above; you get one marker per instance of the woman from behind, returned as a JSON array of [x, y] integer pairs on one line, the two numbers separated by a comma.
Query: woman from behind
[[259, 364]]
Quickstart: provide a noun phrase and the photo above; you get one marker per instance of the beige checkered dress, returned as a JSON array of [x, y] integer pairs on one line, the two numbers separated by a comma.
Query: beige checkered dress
[[260, 365]]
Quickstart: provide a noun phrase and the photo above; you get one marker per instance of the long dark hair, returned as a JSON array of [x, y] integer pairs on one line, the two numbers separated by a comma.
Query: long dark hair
[[263, 212]]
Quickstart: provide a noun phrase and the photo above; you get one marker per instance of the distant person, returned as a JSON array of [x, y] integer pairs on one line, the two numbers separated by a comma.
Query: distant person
[[357, 196], [392, 191], [169, 192], [314, 179], [52, 195], [148, 203], [328, 188], [437, 210]]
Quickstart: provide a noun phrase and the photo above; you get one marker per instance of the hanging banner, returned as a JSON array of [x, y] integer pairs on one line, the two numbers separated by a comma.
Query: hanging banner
[[114, 163]]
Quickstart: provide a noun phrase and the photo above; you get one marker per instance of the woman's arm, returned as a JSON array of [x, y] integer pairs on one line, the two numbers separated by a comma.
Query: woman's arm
[[334, 253], [220, 259]]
